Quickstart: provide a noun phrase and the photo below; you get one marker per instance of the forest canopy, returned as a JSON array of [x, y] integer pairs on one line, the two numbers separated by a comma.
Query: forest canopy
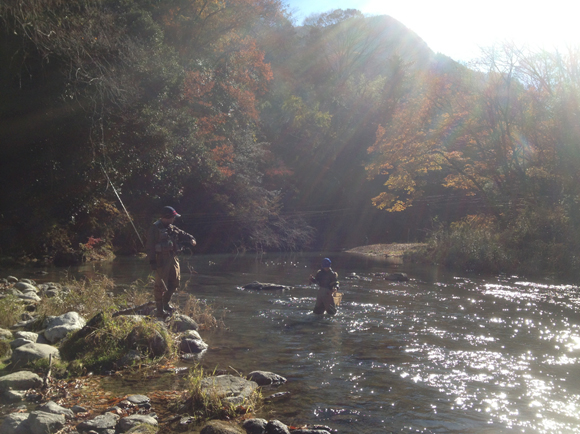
[[268, 135]]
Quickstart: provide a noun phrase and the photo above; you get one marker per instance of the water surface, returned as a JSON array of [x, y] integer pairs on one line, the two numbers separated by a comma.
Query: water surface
[[442, 353]]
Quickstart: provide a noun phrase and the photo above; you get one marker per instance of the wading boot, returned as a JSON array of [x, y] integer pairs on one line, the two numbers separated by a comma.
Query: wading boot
[[166, 306], [161, 313]]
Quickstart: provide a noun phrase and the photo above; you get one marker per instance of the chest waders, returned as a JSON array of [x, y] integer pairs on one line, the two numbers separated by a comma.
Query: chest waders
[[167, 274]]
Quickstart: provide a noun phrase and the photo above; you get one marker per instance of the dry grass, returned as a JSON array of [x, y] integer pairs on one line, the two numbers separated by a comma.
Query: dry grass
[[201, 313]]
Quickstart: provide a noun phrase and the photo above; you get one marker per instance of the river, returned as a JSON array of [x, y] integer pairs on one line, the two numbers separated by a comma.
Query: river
[[442, 353]]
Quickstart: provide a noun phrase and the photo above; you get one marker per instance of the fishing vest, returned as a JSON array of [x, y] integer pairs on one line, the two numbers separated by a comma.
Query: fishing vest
[[166, 239]]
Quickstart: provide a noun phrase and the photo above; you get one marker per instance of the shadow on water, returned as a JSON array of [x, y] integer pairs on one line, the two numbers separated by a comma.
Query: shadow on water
[[440, 353]]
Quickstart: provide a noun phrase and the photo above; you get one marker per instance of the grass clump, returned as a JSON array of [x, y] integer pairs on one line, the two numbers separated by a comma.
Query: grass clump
[[201, 313], [86, 296], [106, 339], [11, 310], [205, 404]]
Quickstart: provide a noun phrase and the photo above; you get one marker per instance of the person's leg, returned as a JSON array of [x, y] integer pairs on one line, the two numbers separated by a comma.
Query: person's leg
[[329, 305], [173, 281], [319, 307]]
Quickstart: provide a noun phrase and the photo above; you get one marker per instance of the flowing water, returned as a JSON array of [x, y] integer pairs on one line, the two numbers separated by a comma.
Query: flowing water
[[442, 353]]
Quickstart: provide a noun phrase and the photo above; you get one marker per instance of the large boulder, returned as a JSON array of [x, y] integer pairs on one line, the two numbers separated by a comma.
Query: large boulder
[[31, 352], [45, 423], [231, 389], [156, 343], [22, 380], [15, 423], [57, 327]]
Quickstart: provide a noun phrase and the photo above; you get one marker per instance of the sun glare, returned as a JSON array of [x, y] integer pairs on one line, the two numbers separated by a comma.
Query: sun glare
[[459, 28]]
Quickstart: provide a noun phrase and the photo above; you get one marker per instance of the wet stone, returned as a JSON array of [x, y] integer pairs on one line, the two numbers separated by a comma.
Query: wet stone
[[138, 399]]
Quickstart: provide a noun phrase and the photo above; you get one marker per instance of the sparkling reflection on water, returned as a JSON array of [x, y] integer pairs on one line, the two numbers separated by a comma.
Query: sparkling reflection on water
[[441, 353]]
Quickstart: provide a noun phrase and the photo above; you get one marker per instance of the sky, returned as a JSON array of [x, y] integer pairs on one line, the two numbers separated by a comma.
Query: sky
[[460, 28]]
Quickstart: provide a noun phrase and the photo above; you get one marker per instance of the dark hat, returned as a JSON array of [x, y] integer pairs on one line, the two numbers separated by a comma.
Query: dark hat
[[169, 212], [326, 263]]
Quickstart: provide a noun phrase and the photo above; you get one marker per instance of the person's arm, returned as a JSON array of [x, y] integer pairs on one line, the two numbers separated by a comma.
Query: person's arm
[[184, 237]]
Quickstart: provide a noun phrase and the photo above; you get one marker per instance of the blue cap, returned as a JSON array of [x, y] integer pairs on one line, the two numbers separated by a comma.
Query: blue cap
[[169, 212], [326, 263]]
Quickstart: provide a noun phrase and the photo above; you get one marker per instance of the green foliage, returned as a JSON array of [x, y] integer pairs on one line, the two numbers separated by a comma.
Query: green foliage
[[4, 348], [472, 244], [11, 308], [112, 338], [536, 242]]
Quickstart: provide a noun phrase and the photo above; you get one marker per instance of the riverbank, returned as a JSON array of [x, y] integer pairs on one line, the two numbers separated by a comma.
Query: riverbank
[[393, 250]]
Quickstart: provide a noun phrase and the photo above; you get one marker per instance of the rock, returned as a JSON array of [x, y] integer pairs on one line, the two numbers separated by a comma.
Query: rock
[[6, 334], [53, 407], [13, 395], [182, 323], [26, 324], [30, 282], [231, 389], [22, 380], [107, 421], [192, 343], [130, 358], [264, 378], [310, 431], [31, 336], [276, 427], [57, 327], [25, 286], [19, 342], [279, 396], [15, 423], [143, 429], [259, 285], [29, 296], [139, 400], [41, 422], [30, 352], [155, 342], [126, 423], [12, 279], [255, 426], [398, 277], [51, 293], [219, 427], [78, 409]]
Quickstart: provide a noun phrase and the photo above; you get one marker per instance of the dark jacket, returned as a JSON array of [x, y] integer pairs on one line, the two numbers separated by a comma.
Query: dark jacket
[[326, 279], [165, 240]]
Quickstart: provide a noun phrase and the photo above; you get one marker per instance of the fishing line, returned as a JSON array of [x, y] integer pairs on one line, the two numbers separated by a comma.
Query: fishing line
[[123, 205]]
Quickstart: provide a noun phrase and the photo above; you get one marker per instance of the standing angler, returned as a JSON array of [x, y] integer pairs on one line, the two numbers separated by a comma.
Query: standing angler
[[162, 246], [327, 280]]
